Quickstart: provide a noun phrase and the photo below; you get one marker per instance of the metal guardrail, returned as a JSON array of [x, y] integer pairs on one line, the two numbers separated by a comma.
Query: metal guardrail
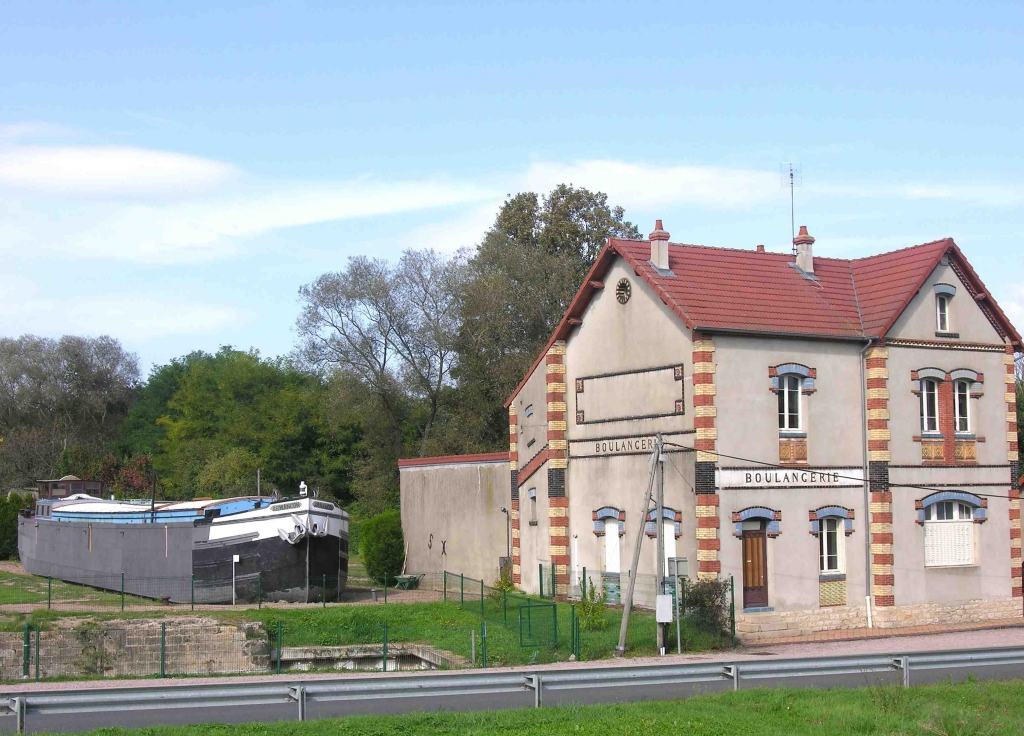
[[389, 689]]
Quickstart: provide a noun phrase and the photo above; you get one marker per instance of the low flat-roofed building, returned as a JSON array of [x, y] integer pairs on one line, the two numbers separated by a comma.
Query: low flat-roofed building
[[67, 486]]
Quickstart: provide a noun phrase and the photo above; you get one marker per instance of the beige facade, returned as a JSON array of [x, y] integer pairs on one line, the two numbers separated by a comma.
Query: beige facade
[[638, 366]]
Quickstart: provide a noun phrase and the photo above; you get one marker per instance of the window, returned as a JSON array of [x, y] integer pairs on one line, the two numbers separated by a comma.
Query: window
[[831, 557], [942, 313], [611, 545], [929, 406], [529, 410], [962, 406], [532, 494], [948, 534], [789, 403]]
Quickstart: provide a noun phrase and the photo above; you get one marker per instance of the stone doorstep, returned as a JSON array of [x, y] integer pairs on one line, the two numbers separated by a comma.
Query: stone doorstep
[[768, 638]]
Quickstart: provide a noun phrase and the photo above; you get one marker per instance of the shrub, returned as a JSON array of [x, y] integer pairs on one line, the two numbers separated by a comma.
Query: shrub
[[707, 605], [383, 545], [9, 510], [590, 609]]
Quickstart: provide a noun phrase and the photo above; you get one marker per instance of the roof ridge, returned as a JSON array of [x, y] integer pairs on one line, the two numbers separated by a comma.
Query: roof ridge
[[904, 249]]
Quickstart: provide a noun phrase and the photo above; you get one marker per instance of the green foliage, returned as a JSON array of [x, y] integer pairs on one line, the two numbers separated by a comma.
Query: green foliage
[[9, 510], [383, 545], [707, 604], [591, 609]]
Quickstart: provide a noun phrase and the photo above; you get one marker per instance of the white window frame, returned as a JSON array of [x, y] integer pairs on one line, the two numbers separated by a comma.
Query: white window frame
[[949, 541], [965, 415], [786, 395], [838, 528], [612, 556], [927, 419], [942, 321]]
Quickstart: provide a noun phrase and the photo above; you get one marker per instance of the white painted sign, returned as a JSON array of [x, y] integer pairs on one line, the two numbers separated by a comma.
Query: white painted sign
[[630, 445], [788, 477]]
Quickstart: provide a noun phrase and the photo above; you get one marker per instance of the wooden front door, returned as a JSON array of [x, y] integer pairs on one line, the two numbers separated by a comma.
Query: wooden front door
[[755, 569]]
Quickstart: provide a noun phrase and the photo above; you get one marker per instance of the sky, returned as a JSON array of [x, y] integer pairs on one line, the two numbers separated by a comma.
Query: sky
[[171, 174]]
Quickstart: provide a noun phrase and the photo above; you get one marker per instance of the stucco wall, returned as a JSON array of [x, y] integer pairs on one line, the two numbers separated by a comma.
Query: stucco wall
[[458, 505], [965, 317]]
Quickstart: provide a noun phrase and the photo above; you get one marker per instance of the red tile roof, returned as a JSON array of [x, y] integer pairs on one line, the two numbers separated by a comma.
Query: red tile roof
[[723, 289], [484, 457]]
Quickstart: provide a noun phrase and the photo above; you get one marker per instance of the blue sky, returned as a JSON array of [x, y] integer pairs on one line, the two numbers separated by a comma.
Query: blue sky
[[171, 175]]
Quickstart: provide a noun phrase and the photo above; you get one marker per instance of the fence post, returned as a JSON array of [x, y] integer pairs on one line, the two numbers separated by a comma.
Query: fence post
[[554, 624], [482, 614], [444, 585], [279, 647], [554, 581], [504, 605], [122, 591], [26, 648], [583, 587], [39, 631], [540, 578], [732, 608], [462, 588], [572, 629], [323, 589], [683, 600], [385, 587], [49, 593], [483, 643], [384, 664], [163, 650], [259, 594], [193, 598]]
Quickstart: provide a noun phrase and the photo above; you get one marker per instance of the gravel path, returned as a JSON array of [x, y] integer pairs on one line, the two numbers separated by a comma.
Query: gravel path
[[895, 645]]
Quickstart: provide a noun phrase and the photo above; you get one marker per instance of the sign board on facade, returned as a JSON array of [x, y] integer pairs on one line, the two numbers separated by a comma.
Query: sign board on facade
[[628, 445], [788, 477]]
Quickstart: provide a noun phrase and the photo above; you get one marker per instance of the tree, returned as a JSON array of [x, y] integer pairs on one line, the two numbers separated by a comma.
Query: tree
[[521, 280], [383, 546], [64, 397]]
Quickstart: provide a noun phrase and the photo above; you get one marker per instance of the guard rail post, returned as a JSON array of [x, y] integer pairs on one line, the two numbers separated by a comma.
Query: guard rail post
[[122, 591], [163, 650], [26, 648], [279, 652]]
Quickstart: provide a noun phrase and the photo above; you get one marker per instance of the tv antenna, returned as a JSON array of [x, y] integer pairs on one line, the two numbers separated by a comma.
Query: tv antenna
[[792, 176]]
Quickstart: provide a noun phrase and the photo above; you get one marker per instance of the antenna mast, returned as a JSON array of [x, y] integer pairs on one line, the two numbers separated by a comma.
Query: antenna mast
[[792, 177]]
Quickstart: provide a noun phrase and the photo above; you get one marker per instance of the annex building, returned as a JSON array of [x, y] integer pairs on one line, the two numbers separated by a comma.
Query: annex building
[[839, 434]]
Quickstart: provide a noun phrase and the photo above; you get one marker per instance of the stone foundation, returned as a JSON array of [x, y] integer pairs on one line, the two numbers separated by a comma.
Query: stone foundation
[[754, 627]]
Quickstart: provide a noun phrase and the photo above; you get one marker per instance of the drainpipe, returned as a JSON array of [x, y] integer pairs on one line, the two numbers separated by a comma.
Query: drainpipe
[[867, 492]]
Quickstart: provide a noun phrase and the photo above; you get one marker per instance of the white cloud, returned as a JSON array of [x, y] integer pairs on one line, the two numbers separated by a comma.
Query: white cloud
[[464, 230], [645, 186], [108, 171], [988, 195], [128, 316]]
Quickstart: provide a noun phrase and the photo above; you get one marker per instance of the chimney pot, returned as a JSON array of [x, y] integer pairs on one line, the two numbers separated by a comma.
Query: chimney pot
[[804, 253], [659, 246], [760, 249]]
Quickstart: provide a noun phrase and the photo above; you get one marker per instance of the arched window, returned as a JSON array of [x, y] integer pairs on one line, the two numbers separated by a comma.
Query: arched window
[[831, 546], [949, 519], [789, 402], [929, 406], [941, 313], [962, 406], [608, 523]]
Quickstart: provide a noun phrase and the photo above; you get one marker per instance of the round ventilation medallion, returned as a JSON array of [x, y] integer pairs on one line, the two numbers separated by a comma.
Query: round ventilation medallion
[[622, 291]]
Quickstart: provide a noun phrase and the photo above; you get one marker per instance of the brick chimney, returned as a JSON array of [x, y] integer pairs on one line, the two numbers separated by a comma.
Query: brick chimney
[[804, 254], [659, 246]]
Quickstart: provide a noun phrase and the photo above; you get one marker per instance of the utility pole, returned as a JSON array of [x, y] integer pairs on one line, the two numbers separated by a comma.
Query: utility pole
[[620, 650], [659, 527]]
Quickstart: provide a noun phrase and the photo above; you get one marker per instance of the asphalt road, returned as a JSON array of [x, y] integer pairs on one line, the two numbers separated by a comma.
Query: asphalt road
[[584, 691]]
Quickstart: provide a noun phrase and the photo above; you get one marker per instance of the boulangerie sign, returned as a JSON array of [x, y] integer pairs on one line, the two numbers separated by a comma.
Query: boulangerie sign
[[788, 477]]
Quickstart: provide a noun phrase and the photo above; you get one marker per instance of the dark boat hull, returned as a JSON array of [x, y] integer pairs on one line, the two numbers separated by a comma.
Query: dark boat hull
[[179, 563]]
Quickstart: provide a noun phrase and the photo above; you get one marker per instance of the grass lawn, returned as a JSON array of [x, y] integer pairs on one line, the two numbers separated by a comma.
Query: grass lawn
[[970, 709]]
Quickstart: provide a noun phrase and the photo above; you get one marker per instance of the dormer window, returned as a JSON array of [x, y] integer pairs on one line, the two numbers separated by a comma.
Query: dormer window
[[789, 403], [929, 406], [942, 313]]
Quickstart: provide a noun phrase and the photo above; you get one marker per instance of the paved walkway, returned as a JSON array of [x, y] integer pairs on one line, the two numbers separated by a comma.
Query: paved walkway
[[857, 634]]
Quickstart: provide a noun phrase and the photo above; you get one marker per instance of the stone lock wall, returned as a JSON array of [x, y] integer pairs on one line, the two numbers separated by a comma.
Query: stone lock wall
[[132, 649]]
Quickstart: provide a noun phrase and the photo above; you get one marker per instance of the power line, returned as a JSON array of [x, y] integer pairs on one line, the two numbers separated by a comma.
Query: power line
[[845, 477]]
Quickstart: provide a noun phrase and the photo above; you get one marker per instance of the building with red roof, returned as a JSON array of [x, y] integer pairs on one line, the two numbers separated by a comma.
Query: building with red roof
[[838, 436]]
